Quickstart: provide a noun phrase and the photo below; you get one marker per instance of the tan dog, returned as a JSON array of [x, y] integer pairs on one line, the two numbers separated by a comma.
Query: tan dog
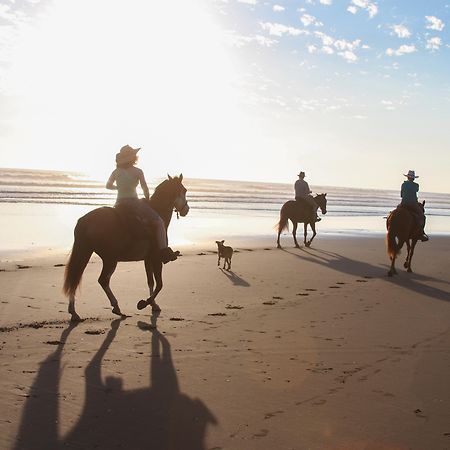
[[224, 252]]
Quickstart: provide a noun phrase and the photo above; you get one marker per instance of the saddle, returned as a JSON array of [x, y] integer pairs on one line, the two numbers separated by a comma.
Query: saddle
[[304, 209], [132, 222]]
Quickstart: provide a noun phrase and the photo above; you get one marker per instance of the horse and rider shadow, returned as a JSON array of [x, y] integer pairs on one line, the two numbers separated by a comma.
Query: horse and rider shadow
[[158, 416], [358, 268]]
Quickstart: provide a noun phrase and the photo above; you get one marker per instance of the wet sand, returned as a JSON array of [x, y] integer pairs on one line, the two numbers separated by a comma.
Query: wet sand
[[292, 349]]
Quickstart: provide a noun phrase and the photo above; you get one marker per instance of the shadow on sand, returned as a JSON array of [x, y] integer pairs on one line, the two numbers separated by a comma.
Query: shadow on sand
[[157, 417], [235, 279], [335, 261]]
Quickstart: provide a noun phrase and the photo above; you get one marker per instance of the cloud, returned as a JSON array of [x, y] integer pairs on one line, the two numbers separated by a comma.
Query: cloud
[[370, 7], [278, 29], [248, 2], [349, 56], [278, 8], [308, 20], [402, 50], [433, 23], [434, 43], [326, 40], [326, 2], [239, 40], [401, 31]]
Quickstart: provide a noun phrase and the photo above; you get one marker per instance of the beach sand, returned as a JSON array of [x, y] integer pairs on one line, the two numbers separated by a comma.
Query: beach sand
[[293, 349]]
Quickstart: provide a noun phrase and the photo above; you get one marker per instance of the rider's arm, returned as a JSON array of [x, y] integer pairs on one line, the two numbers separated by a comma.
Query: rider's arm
[[110, 183], [144, 185]]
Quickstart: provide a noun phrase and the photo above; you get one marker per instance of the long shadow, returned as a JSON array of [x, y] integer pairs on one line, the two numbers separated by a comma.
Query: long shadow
[[354, 267], [39, 425], [235, 279], [156, 417]]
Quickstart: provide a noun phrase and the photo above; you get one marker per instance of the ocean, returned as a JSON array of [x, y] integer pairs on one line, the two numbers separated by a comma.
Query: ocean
[[50, 202]]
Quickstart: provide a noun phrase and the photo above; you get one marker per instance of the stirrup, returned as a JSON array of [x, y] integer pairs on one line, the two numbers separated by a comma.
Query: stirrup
[[318, 219], [424, 237]]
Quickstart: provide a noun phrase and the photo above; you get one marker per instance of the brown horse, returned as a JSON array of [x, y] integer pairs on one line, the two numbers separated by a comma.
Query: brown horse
[[401, 227], [103, 231], [300, 212]]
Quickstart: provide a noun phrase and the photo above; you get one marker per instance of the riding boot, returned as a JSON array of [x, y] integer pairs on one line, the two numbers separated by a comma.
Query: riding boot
[[318, 219], [423, 237], [167, 255]]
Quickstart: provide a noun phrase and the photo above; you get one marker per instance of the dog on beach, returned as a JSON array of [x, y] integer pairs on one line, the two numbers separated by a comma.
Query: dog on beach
[[224, 252]]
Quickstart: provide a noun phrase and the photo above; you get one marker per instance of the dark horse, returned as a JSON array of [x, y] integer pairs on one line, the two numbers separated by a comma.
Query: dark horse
[[401, 227], [300, 212], [103, 231]]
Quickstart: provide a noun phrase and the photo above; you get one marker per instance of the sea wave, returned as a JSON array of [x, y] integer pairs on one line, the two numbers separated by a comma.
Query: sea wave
[[50, 187]]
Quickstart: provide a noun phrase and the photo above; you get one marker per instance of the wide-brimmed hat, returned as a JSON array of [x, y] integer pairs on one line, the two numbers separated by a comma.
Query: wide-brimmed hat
[[411, 174], [126, 154], [301, 173]]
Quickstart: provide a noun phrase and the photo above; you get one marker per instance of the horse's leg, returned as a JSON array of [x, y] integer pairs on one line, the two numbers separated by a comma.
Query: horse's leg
[[157, 273], [218, 260], [408, 247], [294, 233], [75, 317], [109, 266], [411, 253], [305, 233], [313, 228]]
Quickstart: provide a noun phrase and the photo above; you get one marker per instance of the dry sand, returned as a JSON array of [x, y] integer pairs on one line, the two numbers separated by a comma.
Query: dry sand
[[292, 349]]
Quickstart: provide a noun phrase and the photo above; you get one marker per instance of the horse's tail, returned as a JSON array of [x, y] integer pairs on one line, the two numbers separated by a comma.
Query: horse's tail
[[78, 260], [392, 247], [283, 224]]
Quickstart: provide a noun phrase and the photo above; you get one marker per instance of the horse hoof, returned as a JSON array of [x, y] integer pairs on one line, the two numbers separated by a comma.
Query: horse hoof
[[142, 304], [405, 265], [390, 274], [409, 270], [156, 308], [279, 246], [297, 246], [116, 310], [308, 244]]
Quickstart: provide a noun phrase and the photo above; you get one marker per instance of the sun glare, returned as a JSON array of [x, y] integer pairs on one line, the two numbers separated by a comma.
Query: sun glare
[[96, 75]]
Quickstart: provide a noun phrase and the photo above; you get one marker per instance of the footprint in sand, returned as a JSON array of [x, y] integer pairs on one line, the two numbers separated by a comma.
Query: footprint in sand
[[201, 254], [334, 287], [234, 307], [302, 293], [340, 282], [262, 433], [272, 414], [58, 265], [310, 290], [93, 332], [361, 281], [269, 303], [217, 314], [277, 298], [176, 319]]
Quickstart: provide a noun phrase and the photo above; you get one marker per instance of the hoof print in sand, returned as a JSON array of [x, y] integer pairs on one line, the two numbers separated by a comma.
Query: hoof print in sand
[[176, 319], [218, 314], [233, 307]]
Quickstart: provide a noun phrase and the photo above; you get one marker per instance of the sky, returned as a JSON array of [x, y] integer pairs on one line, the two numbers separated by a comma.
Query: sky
[[353, 92]]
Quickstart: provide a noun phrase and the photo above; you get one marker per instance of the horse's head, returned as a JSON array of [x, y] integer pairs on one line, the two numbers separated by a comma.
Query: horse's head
[[173, 193], [321, 200]]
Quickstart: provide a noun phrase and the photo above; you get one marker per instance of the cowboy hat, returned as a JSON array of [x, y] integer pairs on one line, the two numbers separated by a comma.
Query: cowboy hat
[[126, 154], [301, 174], [411, 174]]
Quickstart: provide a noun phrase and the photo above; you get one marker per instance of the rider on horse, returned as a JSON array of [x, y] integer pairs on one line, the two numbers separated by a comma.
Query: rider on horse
[[303, 193], [408, 194], [124, 179]]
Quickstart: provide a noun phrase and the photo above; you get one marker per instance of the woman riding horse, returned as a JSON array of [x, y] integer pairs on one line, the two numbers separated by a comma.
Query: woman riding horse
[[124, 179]]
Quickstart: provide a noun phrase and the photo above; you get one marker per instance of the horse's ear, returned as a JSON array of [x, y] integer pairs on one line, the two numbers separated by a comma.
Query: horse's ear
[[222, 241], [423, 203], [169, 177], [181, 177], [325, 194]]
